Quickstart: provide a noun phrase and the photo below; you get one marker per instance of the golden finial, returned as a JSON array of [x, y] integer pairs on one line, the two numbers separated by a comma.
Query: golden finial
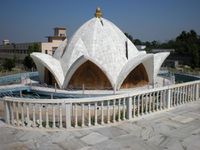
[[98, 13]]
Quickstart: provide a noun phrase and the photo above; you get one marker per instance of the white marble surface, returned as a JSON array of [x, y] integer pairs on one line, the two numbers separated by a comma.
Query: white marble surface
[[166, 130], [50, 63], [94, 138]]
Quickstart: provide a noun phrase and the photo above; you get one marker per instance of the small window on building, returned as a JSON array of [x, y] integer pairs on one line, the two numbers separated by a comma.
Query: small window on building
[[54, 49], [46, 51], [126, 47], [62, 35]]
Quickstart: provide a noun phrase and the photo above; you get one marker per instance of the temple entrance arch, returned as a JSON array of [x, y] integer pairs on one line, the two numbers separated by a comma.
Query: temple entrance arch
[[89, 76], [49, 77], [137, 77]]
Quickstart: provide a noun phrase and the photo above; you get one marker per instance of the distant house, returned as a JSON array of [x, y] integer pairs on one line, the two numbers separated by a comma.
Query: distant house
[[20, 50], [140, 47]]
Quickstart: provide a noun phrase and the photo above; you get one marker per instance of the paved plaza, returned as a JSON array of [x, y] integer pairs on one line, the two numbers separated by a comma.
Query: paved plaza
[[177, 129]]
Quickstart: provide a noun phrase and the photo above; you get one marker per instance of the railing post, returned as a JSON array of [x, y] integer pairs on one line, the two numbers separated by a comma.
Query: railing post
[[197, 92], [150, 100], [108, 112], [60, 115], [168, 98], [193, 92], [189, 93], [27, 115], [142, 104], [89, 115], [138, 105], [153, 101], [82, 115], [17, 112], [95, 113], [102, 113], [119, 109], [6, 112], [22, 114], [146, 103], [12, 113], [47, 117], [157, 100], [185, 90], [34, 124], [181, 95], [124, 108], [161, 100], [40, 116], [114, 110], [165, 99], [134, 106], [76, 115], [54, 119], [68, 115], [129, 108]]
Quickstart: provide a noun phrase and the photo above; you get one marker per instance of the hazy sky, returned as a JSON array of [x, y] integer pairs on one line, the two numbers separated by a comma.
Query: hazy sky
[[162, 20]]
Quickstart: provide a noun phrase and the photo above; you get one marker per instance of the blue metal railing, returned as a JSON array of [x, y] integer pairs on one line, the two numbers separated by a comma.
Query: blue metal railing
[[16, 78]]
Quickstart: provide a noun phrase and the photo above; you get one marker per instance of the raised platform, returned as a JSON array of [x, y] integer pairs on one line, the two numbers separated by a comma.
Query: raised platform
[[177, 129]]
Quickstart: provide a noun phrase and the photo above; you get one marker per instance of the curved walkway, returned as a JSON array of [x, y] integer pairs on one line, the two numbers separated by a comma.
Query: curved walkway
[[177, 129]]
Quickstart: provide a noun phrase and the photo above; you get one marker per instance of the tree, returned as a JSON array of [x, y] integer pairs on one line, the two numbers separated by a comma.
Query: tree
[[8, 64], [155, 44], [28, 61], [33, 48], [186, 45], [137, 42], [129, 36]]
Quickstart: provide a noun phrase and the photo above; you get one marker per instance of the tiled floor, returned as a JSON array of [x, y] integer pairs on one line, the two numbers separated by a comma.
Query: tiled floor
[[177, 129]]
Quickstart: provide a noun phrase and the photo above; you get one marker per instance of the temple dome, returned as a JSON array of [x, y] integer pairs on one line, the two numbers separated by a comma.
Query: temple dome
[[98, 56], [102, 41]]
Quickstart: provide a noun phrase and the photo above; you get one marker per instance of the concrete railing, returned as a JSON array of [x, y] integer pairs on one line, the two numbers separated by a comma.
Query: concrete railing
[[86, 112]]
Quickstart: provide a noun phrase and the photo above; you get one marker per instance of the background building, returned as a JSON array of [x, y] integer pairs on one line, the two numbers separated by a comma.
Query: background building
[[20, 50], [53, 41], [140, 47], [15, 50]]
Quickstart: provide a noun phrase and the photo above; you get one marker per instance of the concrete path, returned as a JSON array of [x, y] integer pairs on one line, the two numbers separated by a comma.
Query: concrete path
[[177, 129]]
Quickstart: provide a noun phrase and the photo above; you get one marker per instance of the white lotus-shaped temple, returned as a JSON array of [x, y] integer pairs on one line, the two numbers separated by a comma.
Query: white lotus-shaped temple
[[98, 56]]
